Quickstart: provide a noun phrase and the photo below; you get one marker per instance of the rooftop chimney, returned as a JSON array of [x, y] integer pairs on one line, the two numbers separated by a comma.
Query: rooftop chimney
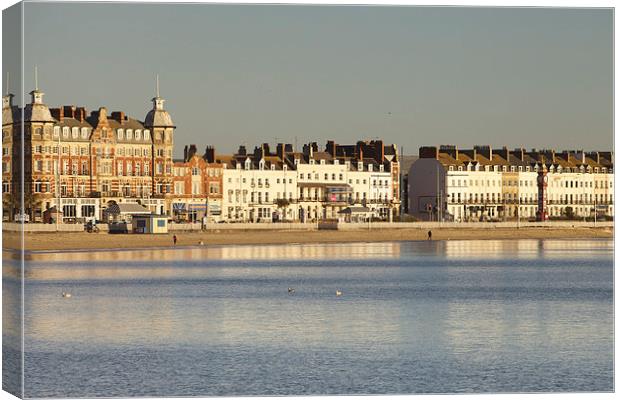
[[210, 154], [58, 113], [280, 151], [330, 147], [379, 151], [429, 152], [81, 114], [451, 150], [191, 151], [118, 116], [503, 153]]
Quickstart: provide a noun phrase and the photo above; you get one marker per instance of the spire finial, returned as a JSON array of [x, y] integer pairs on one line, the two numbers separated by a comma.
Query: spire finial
[[36, 78], [157, 79]]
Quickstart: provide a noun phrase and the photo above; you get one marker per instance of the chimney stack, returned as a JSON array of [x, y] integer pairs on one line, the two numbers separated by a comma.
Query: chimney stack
[[331, 148], [210, 154], [192, 150], [265, 149], [242, 151], [69, 111], [58, 113], [429, 152], [118, 116], [359, 147], [81, 114], [280, 151], [451, 150], [379, 151]]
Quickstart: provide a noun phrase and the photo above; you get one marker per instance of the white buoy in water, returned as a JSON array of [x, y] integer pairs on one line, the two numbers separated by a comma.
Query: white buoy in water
[[338, 293], [66, 295], [291, 290]]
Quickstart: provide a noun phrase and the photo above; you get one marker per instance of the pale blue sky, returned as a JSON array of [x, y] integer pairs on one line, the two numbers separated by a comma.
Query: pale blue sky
[[411, 75]]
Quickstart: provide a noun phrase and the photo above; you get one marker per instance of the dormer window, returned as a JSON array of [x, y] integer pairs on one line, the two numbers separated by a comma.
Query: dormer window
[[84, 133], [129, 134], [273, 167], [56, 131], [512, 168], [460, 167], [296, 162], [65, 131], [311, 161], [120, 134], [247, 164], [147, 134], [360, 166], [504, 168], [451, 168], [75, 132], [520, 168], [322, 162], [336, 162], [381, 168], [596, 170], [138, 134]]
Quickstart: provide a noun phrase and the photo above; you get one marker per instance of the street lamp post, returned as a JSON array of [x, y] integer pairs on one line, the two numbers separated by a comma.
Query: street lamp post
[[58, 185]]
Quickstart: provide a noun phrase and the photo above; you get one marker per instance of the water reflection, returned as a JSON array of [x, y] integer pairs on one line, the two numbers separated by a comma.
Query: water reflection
[[424, 316]]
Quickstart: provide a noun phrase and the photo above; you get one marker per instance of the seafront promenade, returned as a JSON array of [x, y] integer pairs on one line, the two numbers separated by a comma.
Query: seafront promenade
[[232, 234]]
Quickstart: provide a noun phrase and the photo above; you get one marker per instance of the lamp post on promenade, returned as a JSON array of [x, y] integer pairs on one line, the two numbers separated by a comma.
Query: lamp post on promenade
[[58, 194]]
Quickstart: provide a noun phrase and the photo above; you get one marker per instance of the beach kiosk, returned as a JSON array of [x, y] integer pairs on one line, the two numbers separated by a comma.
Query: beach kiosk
[[150, 223], [356, 214]]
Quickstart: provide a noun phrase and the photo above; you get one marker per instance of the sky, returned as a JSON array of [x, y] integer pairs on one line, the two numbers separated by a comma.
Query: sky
[[413, 76]]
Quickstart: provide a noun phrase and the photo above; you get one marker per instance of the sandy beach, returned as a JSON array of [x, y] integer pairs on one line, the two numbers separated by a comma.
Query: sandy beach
[[78, 241]]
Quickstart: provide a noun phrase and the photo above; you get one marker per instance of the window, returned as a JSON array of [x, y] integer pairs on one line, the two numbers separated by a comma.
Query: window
[[147, 134], [65, 131], [129, 134], [84, 133], [119, 134], [138, 134], [195, 187], [75, 132]]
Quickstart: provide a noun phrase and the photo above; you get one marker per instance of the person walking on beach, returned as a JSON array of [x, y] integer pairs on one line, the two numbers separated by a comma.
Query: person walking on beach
[[174, 239], [430, 235]]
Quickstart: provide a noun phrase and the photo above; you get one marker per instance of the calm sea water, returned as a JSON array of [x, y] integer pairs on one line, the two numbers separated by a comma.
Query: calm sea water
[[414, 317]]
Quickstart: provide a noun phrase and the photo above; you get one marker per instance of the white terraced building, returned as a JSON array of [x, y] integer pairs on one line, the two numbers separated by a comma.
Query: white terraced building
[[310, 185], [483, 184]]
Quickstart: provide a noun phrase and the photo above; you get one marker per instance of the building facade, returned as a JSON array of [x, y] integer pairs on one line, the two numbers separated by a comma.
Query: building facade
[[197, 190], [80, 163], [310, 185], [485, 184]]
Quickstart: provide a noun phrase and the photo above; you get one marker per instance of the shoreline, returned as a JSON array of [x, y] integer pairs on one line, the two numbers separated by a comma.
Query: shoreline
[[81, 241]]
